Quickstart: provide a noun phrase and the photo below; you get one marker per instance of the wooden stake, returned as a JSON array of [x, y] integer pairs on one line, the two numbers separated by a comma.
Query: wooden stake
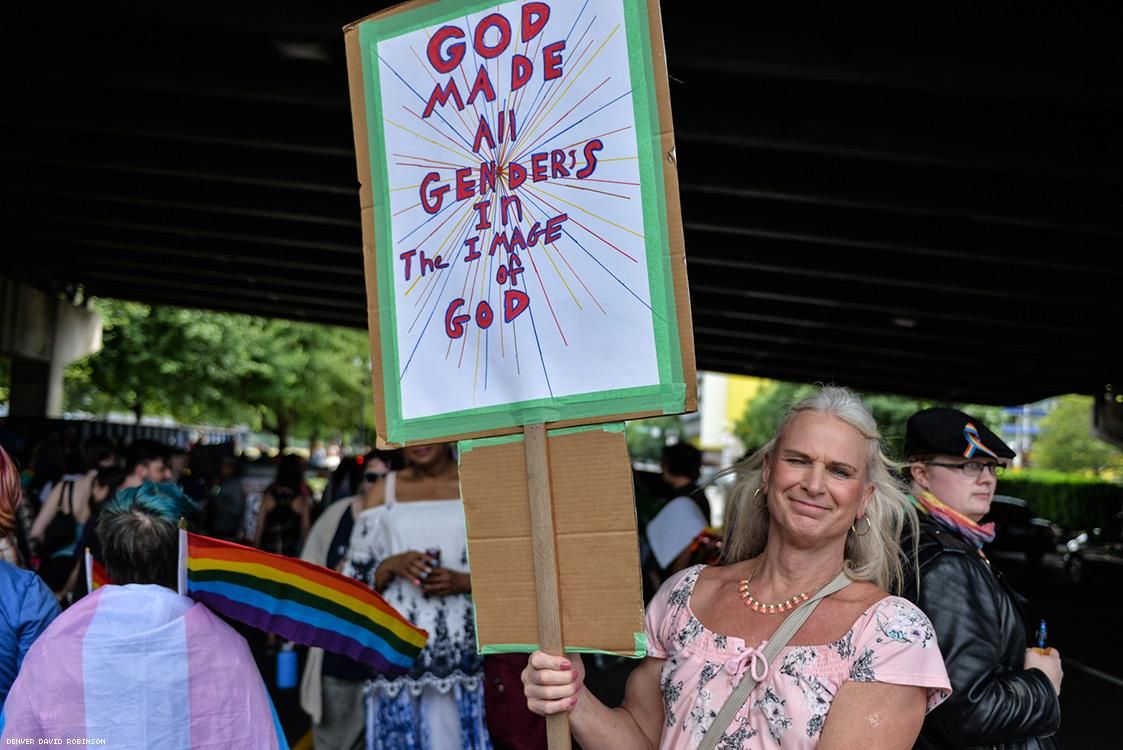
[[545, 566]]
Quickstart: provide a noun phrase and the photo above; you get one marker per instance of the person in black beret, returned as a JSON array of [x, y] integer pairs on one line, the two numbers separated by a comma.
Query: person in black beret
[[1003, 694]]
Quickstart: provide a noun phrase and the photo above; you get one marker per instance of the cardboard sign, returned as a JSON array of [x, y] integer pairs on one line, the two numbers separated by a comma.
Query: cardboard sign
[[595, 525], [521, 226]]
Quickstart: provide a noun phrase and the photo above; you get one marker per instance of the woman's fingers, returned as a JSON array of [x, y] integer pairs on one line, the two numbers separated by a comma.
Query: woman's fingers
[[542, 660], [554, 677], [551, 684], [545, 708], [438, 582], [552, 692], [413, 566], [549, 691]]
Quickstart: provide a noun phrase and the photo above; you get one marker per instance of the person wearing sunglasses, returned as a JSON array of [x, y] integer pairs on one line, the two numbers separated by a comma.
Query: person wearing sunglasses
[[331, 690], [1003, 694]]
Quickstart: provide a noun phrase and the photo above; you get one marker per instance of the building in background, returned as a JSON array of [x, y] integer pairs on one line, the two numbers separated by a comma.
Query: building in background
[[1021, 425], [721, 402]]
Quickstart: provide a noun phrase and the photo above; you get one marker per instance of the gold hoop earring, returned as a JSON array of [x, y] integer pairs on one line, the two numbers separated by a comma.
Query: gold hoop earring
[[869, 526]]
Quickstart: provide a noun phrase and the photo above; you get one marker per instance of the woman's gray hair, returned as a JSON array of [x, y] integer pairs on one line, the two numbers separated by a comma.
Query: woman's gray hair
[[874, 556]]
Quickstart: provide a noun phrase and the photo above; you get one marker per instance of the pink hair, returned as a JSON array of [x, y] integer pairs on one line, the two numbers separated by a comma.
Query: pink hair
[[10, 493]]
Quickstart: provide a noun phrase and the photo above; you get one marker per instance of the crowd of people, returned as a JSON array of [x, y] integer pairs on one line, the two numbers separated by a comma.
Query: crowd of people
[[847, 603]]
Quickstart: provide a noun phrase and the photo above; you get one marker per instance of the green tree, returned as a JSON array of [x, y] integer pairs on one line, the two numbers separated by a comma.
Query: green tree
[[161, 360], [763, 414], [306, 378], [646, 437], [5, 379], [1066, 442], [286, 377]]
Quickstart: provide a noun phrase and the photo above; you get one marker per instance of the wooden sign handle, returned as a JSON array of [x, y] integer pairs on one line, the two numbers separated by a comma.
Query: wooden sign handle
[[545, 566]]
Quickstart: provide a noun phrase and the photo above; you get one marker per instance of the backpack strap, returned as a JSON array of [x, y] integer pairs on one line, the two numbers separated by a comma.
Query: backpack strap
[[67, 494], [780, 638]]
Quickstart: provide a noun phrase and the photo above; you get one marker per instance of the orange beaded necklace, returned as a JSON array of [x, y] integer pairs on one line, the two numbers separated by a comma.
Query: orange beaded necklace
[[772, 609]]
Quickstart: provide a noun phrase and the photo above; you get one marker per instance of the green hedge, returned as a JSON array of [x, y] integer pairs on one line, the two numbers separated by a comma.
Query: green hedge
[[1069, 500]]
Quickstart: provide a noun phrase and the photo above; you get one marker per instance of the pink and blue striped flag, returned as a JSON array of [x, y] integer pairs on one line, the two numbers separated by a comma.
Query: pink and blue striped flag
[[141, 667]]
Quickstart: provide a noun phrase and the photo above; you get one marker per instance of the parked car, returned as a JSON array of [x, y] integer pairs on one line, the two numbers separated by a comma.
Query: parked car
[[1098, 552], [1016, 529]]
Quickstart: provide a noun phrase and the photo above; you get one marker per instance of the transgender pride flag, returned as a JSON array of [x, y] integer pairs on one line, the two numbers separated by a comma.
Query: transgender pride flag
[[141, 667]]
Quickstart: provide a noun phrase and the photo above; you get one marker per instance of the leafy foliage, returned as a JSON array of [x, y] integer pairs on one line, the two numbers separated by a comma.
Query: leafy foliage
[[646, 437], [763, 414], [1070, 500], [223, 369], [1066, 442]]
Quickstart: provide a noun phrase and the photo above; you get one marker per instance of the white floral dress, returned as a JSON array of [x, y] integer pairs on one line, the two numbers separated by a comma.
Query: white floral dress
[[890, 642], [438, 705]]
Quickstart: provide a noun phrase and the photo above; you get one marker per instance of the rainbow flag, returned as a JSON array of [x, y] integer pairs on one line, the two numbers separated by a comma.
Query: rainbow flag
[[298, 601], [96, 577]]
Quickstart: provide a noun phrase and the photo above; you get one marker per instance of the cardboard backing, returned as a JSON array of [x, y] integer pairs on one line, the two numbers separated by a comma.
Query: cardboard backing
[[597, 551]]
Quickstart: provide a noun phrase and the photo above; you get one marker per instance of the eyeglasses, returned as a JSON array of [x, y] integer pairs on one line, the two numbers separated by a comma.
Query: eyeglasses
[[373, 476], [973, 468]]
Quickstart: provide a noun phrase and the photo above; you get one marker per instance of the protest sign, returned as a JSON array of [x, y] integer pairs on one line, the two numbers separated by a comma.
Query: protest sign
[[522, 236], [523, 250]]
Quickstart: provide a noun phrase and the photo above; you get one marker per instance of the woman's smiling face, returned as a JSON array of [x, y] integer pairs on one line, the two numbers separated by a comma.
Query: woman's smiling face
[[816, 479]]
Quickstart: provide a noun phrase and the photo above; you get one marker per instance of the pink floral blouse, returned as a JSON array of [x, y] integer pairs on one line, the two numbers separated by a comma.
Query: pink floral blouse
[[890, 642]]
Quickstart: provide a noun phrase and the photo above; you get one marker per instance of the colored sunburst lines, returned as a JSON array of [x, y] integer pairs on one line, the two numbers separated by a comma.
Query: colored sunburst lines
[[512, 133]]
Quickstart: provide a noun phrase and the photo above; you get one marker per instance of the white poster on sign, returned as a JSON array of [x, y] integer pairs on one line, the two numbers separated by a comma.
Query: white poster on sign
[[520, 213]]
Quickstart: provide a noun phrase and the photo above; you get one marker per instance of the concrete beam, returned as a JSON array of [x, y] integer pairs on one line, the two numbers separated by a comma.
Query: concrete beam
[[1107, 415], [41, 334]]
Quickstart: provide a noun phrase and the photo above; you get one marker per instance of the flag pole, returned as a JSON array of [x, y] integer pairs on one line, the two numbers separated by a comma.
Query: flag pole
[[545, 566], [181, 577]]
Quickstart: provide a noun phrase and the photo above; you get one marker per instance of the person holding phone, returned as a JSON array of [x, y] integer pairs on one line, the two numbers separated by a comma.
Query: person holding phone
[[409, 515]]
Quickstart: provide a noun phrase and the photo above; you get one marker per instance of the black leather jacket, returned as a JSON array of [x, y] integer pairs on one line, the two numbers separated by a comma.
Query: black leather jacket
[[981, 630]]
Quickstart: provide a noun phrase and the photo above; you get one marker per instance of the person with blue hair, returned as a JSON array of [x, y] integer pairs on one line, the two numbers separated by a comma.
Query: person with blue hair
[[139, 533], [135, 663]]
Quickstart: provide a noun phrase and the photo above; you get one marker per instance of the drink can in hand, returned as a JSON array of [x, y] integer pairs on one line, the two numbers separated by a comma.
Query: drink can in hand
[[434, 553]]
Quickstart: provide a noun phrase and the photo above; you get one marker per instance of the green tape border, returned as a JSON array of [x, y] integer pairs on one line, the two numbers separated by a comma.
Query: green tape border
[[669, 396], [525, 648], [465, 446]]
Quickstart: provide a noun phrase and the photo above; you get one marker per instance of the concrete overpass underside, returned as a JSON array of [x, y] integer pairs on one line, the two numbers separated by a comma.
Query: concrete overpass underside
[[910, 204]]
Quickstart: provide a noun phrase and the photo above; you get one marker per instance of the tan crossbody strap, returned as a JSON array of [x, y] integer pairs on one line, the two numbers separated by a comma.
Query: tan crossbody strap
[[779, 639]]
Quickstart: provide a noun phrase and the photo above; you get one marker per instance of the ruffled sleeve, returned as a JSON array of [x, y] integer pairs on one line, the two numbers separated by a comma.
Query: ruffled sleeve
[[895, 644], [667, 607]]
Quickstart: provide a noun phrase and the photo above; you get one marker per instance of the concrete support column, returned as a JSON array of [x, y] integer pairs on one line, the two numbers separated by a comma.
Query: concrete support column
[[36, 390], [42, 334], [1107, 415]]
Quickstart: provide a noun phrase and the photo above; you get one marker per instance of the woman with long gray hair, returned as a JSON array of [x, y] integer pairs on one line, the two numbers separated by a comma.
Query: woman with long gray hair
[[793, 640]]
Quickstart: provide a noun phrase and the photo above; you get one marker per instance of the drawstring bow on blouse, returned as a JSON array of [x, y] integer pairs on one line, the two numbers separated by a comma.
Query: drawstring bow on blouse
[[750, 660]]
